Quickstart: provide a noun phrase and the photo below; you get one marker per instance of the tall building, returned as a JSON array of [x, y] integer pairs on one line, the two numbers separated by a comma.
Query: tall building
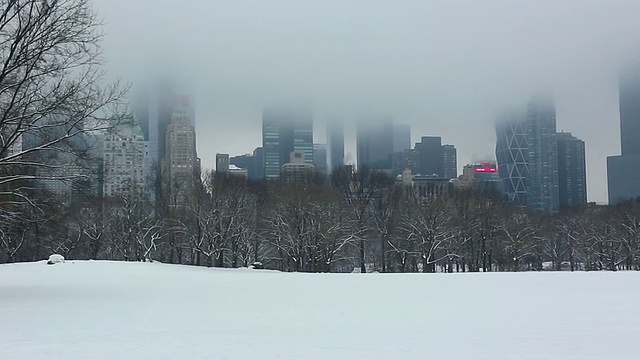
[[401, 137], [572, 173], [374, 142], [431, 161], [623, 171], [222, 163], [285, 130], [154, 107], [527, 154], [73, 170], [543, 154], [449, 162], [320, 158], [512, 154], [406, 160], [125, 150], [335, 145], [181, 166]]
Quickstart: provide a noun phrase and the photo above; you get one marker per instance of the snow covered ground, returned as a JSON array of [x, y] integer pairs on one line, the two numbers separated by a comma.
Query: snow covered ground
[[110, 310]]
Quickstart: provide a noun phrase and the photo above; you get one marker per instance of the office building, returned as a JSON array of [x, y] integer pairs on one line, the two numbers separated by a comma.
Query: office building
[[222, 163], [527, 154], [449, 162], [543, 192], [512, 153], [335, 145], [297, 170], [285, 130], [374, 142], [623, 171], [320, 158], [181, 165], [572, 173], [401, 137], [406, 160]]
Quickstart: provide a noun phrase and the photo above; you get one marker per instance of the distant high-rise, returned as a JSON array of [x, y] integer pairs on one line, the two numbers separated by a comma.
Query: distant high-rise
[[154, 108], [335, 145], [623, 171], [431, 161], [285, 130], [124, 159], [512, 153], [181, 166], [222, 163], [542, 185], [450, 162], [527, 154], [572, 174], [374, 141], [401, 137], [406, 160], [320, 158]]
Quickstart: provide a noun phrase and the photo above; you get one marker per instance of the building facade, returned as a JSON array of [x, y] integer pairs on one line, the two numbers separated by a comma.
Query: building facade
[[125, 152], [401, 137], [543, 190], [181, 166], [512, 155], [623, 171], [572, 171], [449, 162], [374, 142], [335, 145], [285, 130]]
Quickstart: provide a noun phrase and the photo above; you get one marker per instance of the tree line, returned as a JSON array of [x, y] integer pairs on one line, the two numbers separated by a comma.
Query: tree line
[[354, 221]]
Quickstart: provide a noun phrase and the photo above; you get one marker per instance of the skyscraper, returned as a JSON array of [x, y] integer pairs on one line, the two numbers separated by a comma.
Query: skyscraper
[[374, 141], [154, 108], [181, 165], [335, 145], [285, 130], [527, 154], [124, 158], [320, 158], [512, 153], [401, 137], [623, 171], [449, 162], [572, 174], [542, 184], [431, 161]]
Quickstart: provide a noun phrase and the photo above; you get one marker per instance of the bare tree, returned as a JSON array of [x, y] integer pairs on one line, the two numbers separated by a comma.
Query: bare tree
[[53, 98]]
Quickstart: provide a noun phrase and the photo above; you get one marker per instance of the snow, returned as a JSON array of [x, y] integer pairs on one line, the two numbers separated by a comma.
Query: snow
[[111, 310], [55, 259]]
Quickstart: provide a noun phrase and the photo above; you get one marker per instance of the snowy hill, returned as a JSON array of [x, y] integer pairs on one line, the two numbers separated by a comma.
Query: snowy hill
[[110, 310]]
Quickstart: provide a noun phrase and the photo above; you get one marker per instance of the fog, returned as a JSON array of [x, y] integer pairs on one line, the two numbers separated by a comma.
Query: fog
[[448, 68]]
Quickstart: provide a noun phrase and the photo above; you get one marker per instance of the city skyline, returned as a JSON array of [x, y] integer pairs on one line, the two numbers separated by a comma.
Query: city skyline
[[422, 67]]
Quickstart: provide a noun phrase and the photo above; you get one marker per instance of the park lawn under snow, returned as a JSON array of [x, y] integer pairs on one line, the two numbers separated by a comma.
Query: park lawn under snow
[[113, 310]]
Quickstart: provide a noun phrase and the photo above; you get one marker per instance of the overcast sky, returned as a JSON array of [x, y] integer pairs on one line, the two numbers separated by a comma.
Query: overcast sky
[[445, 67]]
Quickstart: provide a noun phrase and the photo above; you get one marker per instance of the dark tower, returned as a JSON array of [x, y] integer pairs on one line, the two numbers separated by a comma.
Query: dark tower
[[623, 171], [572, 173]]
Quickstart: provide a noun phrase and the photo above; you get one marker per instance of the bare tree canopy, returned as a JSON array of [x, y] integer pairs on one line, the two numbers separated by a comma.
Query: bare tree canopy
[[52, 90]]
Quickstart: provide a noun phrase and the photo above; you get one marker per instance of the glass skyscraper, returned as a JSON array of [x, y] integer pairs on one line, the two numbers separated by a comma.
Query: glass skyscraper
[[284, 130], [527, 154]]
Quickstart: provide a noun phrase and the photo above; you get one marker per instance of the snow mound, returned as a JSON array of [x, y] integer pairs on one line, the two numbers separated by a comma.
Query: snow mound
[[55, 259]]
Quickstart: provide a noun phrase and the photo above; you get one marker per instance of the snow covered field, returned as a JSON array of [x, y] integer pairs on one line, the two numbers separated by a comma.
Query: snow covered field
[[110, 310]]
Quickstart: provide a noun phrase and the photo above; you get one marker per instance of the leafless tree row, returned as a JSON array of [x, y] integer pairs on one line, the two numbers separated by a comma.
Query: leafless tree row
[[359, 221]]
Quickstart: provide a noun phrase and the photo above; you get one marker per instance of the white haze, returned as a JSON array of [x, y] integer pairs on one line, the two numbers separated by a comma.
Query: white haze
[[446, 68]]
